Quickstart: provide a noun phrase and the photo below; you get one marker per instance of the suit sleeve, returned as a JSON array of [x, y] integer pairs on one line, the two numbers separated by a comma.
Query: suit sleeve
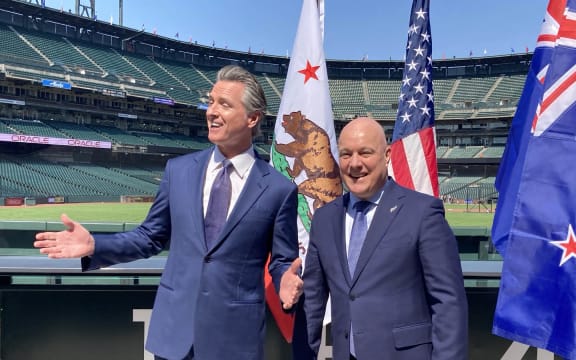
[[285, 237], [310, 316], [442, 271]]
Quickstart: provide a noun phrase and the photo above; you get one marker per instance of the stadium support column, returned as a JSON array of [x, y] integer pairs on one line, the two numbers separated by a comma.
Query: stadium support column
[[121, 12]]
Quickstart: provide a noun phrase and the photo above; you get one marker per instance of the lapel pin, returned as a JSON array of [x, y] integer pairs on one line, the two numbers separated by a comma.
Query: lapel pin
[[393, 208]]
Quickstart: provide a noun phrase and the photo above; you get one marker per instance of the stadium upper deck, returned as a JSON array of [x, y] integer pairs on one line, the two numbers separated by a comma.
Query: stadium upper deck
[[64, 76], [163, 82]]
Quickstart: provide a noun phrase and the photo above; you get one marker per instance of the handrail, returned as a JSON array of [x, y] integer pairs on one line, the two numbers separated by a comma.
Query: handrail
[[41, 265]]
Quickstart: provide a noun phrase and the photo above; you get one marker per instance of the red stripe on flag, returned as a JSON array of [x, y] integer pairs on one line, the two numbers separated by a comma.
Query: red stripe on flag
[[558, 91], [284, 320], [547, 37], [429, 148], [550, 98], [400, 166]]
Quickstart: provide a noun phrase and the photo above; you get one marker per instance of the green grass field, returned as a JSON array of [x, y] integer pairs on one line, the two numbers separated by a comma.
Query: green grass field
[[135, 213]]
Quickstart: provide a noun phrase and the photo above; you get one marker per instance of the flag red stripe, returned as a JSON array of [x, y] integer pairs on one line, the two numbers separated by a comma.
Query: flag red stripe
[[558, 91], [429, 148], [547, 38], [400, 166]]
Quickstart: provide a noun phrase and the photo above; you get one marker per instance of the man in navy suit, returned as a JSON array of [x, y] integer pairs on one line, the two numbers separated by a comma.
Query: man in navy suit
[[404, 299], [210, 303]]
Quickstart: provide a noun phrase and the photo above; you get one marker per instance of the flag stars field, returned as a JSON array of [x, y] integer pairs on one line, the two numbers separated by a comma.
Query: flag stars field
[[413, 137], [568, 246]]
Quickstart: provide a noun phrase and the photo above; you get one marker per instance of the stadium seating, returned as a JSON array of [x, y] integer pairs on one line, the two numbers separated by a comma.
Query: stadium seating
[[112, 62], [494, 152], [28, 54], [36, 177], [472, 89], [149, 77], [16, 49], [77, 131], [59, 52], [508, 89], [33, 128], [462, 152]]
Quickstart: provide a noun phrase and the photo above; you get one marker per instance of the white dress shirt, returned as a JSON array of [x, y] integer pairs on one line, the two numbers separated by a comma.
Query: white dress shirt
[[241, 163], [350, 213]]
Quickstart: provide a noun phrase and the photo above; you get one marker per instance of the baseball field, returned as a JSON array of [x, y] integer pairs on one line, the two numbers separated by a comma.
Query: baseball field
[[457, 214]]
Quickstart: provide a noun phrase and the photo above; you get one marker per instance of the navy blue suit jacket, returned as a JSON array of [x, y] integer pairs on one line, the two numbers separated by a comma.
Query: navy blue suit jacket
[[406, 298], [210, 299]]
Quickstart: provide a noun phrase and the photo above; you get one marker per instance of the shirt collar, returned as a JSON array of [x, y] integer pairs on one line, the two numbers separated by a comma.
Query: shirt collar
[[241, 162], [375, 199]]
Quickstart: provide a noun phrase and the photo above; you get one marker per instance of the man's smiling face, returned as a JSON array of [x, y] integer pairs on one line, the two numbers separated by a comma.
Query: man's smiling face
[[364, 157]]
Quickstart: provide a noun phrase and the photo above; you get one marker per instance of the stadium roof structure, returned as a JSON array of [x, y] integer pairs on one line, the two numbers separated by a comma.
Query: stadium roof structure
[[43, 18]]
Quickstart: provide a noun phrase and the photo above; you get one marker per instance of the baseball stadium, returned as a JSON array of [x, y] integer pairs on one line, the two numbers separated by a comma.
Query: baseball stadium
[[90, 112]]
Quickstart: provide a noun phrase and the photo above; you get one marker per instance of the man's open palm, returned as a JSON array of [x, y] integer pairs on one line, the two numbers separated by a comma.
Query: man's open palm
[[73, 242]]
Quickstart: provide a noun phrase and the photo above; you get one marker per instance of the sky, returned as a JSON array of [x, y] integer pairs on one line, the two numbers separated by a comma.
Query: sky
[[371, 29]]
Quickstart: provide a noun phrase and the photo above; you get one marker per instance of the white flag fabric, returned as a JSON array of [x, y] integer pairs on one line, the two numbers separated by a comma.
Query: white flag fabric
[[305, 148]]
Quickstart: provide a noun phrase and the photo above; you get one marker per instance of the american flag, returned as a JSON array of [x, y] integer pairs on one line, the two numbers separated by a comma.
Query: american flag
[[413, 159]]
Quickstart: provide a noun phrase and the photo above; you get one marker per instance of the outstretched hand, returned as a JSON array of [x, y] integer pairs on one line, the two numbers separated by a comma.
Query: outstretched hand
[[291, 285], [73, 242]]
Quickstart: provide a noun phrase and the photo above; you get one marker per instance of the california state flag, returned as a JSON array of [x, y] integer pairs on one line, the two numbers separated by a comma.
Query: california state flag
[[305, 148]]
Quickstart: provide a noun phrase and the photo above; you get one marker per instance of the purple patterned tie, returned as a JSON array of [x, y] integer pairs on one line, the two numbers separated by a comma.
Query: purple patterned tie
[[218, 204]]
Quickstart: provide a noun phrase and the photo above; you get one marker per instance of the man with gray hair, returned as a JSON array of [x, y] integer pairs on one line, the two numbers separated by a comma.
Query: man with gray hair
[[224, 211]]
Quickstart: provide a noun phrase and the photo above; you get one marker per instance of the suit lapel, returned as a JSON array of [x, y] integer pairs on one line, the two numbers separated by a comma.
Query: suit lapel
[[386, 212], [196, 176], [255, 186], [338, 233]]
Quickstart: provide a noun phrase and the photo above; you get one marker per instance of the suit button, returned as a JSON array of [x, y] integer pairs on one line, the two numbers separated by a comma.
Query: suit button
[[352, 297], [207, 259], [346, 335]]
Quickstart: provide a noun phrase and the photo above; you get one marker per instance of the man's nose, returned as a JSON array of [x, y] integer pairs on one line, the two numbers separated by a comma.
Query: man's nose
[[355, 160], [210, 110]]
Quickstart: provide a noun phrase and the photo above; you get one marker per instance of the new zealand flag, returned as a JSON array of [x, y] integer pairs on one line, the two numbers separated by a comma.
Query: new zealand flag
[[537, 298]]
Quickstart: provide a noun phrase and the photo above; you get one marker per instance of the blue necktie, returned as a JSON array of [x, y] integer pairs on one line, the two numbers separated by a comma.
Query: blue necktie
[[218, 204], [357, 236], [359, 229]]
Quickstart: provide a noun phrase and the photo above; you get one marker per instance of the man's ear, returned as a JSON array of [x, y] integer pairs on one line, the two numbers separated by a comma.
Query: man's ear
[[387, 153], [253, 119]]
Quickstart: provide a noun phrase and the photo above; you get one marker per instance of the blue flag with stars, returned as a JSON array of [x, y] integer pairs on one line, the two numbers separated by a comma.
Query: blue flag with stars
[[537, 298], [512, 162]]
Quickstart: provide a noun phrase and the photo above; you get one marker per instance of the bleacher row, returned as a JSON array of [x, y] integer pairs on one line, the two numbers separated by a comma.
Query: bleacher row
[[23, 176], [35, 56], [469, 152], [464, 188], [60, 129], [31, 176]]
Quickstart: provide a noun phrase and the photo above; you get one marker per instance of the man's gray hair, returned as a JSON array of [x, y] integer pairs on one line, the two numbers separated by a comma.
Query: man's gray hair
[[253, 99]]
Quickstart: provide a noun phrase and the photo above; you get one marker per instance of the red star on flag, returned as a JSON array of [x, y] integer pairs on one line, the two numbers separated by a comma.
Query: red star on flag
[[309, 71], [568, 246]]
